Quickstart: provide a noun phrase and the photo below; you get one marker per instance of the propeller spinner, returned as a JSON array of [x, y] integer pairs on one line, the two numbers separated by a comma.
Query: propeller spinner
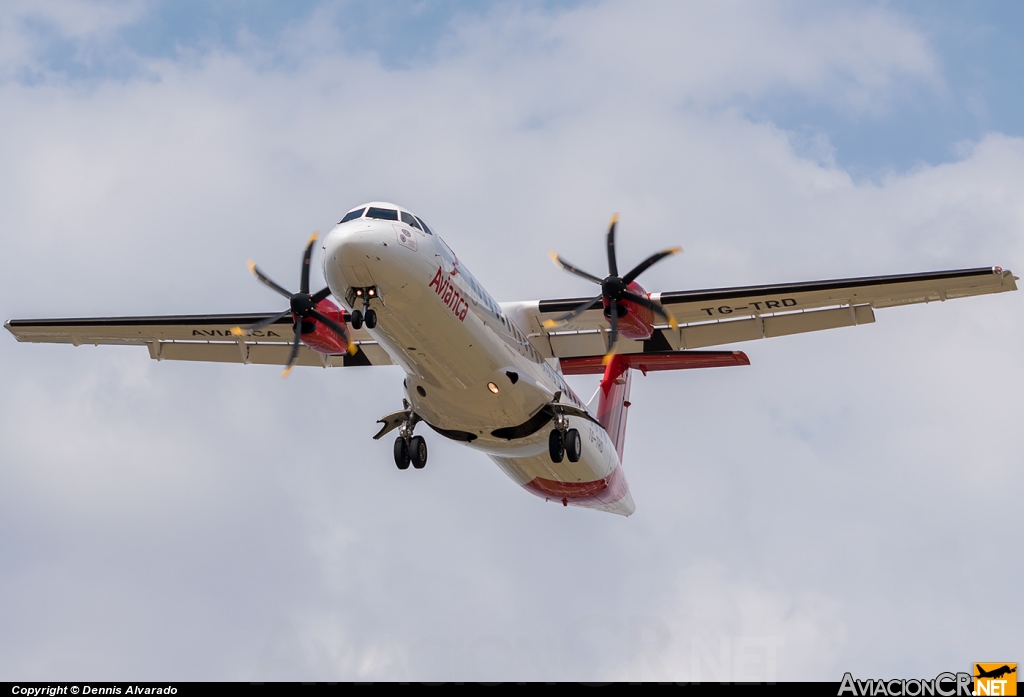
[[302, 306], [615, 288]]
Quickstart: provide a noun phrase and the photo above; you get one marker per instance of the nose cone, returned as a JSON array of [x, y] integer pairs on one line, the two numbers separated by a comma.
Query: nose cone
[[349, 252], [355, 242]]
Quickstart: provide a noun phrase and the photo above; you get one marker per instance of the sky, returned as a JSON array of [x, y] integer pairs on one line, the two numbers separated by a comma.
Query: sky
[[845, 503]]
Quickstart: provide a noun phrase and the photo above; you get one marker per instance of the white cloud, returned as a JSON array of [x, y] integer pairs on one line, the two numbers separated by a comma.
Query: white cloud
[[30, 28], [216, 522]]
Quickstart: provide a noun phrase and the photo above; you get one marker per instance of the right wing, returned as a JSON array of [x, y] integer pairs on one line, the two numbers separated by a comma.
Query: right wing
[[195, 338], [728, 315]]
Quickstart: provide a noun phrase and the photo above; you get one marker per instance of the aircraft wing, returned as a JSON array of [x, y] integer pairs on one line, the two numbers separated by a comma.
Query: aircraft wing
[[728, 315], [195, 338]]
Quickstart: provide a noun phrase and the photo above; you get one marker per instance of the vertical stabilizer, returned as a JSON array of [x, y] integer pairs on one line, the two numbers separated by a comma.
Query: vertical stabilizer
[[614, 400]]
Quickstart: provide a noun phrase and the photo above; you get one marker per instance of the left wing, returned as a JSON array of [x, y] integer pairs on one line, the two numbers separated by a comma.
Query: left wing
[[728, 315], [195, 338]]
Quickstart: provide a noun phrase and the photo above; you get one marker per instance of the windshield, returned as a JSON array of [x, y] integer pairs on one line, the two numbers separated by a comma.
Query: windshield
[[352, 215], [410, 219], [382, 213], [425, 228]]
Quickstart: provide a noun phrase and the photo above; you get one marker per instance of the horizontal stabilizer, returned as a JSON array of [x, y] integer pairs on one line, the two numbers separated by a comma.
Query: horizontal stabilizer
[[668, 360]]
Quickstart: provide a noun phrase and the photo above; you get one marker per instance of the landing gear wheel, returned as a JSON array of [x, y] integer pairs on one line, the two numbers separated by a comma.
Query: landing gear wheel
[[556, 447], [418, 452], [370, 317], [401, 453], [573, 445], [356, 318]]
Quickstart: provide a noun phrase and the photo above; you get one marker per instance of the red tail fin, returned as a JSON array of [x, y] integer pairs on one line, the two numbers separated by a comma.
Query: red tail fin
[[611, 409]]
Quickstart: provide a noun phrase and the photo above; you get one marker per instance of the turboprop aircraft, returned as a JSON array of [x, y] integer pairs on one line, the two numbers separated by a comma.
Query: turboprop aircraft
[[489, 374]]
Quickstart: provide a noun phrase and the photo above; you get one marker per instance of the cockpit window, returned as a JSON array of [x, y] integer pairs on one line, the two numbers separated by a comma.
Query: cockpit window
[[352, 215], [410, 219], [425, 228], [382, 213]]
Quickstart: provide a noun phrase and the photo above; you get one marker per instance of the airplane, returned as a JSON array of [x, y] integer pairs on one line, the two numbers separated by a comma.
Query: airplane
[[491, 375], [995, 673]]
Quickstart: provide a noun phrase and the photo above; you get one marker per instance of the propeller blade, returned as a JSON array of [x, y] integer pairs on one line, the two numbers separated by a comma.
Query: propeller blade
[[657, 307], [240, 331], [563, 264], [648, 263], [304, 282], [548, 323], [320, 295], [295, 350], [613, 338], [266, 280], [613, 266]]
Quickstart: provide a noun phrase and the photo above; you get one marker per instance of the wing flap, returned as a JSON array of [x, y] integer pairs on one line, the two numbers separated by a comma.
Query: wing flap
[[264, 354]]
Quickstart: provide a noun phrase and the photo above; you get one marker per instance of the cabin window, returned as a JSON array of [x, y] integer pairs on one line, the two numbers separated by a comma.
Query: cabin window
[[382, 213]]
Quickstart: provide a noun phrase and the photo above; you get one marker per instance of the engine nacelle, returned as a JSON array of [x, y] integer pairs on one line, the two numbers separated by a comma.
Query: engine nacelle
[[323, 339], [635, 321]]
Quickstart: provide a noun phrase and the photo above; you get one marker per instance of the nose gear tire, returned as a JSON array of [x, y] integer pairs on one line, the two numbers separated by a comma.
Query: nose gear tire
[[370, 318], [356, 319]]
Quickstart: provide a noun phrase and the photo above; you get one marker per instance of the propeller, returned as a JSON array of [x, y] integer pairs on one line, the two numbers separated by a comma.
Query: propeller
[[615, 288], [302, 306]]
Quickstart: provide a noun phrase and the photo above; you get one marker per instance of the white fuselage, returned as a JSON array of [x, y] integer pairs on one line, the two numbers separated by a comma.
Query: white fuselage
[[452, 339]]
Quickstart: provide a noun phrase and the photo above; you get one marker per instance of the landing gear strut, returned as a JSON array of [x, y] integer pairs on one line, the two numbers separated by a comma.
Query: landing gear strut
[[564, 441]]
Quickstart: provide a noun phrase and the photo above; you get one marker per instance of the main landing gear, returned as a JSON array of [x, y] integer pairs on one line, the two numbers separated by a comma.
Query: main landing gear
[[367, 315], [413, 450], [410, 448], [564, 441]]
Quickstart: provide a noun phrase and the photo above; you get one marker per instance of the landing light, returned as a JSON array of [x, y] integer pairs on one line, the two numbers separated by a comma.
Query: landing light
[[371, 292], [492, 387]]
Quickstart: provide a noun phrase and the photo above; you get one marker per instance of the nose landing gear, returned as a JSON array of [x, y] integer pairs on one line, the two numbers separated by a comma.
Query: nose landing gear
[[367, 315], [564, 441]]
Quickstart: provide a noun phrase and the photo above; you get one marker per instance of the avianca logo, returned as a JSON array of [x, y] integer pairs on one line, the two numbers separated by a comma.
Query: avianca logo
[[449, 295]]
